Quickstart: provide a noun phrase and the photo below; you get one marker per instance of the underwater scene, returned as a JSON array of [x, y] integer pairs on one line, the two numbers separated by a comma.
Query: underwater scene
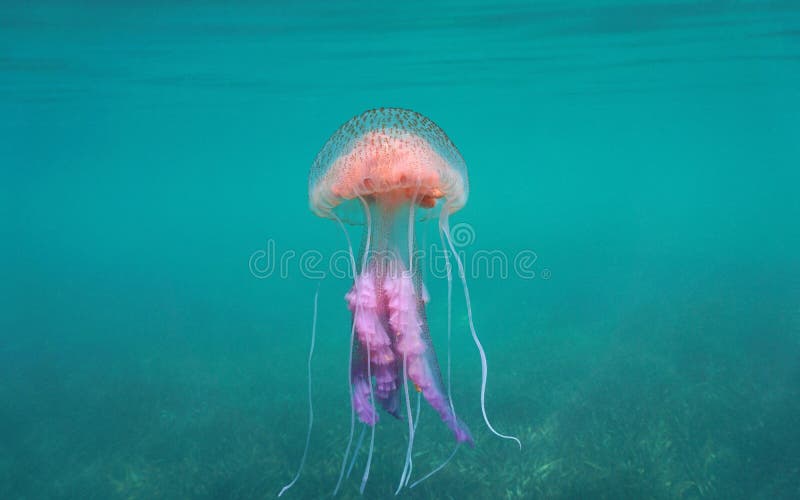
[[540, 250]]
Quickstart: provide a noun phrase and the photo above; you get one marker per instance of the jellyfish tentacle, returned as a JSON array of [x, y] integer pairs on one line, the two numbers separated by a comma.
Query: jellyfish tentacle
[[408, 466], [416, 414], [371, 332], [416, 423], [369, 461], [358, 449], [411, 232], [350, 364], [449, 271], [444, 222], [364, 259], [352, 336], [310, 403], [375, 342], [407, 324], [437, 469], [372, 431]]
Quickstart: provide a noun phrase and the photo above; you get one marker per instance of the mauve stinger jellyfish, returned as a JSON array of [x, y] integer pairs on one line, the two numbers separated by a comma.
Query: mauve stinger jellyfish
[[385, 169]]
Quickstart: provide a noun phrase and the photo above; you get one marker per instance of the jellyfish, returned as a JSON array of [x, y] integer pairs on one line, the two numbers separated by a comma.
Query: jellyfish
[[385, 170]]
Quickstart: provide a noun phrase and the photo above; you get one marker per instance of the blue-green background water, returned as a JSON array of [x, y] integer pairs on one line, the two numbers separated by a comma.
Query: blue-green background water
[[647, 152]]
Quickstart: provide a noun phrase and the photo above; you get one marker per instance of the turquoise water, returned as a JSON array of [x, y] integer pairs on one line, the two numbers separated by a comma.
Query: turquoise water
[[646, 153]]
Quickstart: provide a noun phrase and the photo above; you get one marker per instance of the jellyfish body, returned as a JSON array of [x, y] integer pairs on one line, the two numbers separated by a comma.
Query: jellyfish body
[[385, 169]]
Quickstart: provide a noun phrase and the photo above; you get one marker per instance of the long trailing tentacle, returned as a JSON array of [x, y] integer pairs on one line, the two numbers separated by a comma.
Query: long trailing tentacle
[[350, 361], [444, 222], [352, 337], [407, 466], [449, 271], [364, 258], [419, 394], [437, 469], [416, 423], [358, 448], [372, 431], [310, 404]]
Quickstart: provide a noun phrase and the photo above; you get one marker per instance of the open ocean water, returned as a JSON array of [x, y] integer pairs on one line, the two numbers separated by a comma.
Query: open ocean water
[[155, 316]]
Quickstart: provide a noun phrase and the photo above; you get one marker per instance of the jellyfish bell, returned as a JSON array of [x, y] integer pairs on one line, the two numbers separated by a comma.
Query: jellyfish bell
[[386, 169], [394, 156]]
